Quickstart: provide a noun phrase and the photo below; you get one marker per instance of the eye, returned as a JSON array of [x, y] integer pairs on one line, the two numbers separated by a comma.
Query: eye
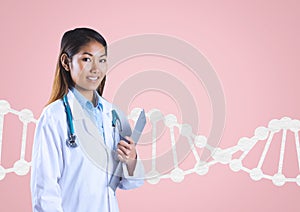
[[102, 61], [86, 59]]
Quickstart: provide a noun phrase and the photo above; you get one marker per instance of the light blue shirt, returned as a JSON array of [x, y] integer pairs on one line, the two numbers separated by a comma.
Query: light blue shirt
[[94, 112]]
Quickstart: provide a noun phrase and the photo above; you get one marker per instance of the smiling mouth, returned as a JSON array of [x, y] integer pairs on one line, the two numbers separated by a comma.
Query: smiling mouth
[[93, 78]]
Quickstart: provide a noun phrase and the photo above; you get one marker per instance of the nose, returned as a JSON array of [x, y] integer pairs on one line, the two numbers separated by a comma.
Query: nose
[[98, 67], [94, 67]]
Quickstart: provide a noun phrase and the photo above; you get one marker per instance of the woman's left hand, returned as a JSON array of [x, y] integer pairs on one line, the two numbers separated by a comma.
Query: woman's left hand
[[126, 151], [127, 154]]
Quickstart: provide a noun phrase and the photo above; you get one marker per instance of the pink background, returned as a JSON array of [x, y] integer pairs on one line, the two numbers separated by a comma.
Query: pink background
[[252, 45]]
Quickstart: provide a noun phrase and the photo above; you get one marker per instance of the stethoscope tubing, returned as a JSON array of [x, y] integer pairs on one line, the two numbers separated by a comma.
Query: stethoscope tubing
[[71, 141]]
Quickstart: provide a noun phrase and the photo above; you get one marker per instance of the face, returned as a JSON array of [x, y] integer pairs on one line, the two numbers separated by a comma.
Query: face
[[88, 68]]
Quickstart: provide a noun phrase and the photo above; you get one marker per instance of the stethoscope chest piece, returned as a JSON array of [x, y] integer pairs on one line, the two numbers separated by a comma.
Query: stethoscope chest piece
[[71, 141]]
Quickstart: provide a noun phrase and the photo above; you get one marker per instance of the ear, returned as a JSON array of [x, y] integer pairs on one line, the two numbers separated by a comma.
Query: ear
[[64, 59]]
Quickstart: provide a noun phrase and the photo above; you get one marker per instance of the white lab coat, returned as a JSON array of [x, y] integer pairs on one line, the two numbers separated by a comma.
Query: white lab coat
[[67, 179]]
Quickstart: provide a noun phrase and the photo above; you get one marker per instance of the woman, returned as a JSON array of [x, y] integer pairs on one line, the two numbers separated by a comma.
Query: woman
[[65, 176]]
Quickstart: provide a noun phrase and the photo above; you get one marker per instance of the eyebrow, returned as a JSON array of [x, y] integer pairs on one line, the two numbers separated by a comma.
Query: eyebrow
[[92, 54]]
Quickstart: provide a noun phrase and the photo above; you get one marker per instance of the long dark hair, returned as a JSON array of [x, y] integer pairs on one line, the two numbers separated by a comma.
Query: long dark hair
[[71, 43]]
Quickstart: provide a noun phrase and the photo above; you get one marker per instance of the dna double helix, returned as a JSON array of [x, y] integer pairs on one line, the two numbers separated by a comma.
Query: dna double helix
[[21, 166], [265, 135]]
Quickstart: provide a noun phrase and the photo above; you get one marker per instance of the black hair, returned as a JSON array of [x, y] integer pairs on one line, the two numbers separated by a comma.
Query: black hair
[[71, 43]]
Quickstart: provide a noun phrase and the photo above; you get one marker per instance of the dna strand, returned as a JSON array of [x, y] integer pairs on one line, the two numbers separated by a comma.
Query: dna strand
[[21, 166], [245, 145], [223, 156]]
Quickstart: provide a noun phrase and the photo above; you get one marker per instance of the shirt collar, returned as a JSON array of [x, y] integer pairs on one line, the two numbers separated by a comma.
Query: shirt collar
[[85, 103]]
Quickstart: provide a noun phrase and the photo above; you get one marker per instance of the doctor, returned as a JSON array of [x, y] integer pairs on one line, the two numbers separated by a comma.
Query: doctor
[[76, 178]]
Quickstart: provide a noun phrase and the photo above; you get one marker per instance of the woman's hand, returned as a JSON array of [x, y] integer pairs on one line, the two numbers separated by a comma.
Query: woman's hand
[[127, 154], [126, 151]]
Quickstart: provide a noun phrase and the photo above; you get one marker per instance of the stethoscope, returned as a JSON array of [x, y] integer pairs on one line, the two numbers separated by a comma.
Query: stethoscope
[[71, 141]]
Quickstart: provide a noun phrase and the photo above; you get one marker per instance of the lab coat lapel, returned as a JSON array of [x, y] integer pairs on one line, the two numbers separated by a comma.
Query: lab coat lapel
[[107, 124], [110, 136], [79, 115], [89, 138]]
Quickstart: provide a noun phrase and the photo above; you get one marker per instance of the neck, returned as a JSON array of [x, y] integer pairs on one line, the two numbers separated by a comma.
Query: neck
[[89, 95]]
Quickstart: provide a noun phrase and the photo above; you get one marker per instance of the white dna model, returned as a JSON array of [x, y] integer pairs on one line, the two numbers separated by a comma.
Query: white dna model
[[21, 166], [223, 156]]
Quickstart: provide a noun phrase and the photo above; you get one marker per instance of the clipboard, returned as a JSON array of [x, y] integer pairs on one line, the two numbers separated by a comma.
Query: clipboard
[[135, 135]]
